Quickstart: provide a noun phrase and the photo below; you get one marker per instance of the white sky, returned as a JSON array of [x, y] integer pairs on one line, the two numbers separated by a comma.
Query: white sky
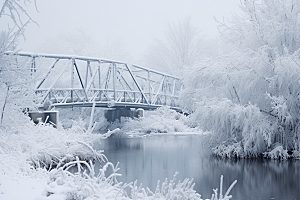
[[136, 22]]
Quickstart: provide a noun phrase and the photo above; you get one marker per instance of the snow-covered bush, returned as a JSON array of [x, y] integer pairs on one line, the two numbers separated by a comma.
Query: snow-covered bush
[[278, 152], [84, 184], [69, 117], [237, 130], [44, 146], [161, 120]]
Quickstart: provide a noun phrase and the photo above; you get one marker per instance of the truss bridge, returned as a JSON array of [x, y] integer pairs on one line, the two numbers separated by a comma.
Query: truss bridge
[[69, 81]]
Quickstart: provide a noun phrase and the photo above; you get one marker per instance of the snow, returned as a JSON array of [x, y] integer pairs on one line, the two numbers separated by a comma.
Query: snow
[[20, 187]]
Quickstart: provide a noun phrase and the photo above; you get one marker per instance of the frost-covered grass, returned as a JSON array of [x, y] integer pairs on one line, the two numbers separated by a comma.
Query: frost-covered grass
[[45, 146], [37, 146], [28, 151], [87, 184]]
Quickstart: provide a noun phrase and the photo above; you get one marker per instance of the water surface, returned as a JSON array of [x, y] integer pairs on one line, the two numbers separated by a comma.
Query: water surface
[[149, 159]]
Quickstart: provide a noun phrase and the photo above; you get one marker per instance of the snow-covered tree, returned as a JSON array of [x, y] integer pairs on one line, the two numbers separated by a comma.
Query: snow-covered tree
[[272, 23], [179, 48], [12, 13], [249, 98]]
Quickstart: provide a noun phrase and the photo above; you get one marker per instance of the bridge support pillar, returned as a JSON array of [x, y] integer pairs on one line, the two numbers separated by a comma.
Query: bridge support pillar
[[44, 116], [140, 112], [116, 114]]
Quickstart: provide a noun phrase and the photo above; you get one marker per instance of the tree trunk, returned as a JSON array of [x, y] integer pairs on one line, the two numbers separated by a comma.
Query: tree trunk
[[4, 104]]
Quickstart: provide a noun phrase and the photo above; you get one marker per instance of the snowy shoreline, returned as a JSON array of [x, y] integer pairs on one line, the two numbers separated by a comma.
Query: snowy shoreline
[[36, 182]]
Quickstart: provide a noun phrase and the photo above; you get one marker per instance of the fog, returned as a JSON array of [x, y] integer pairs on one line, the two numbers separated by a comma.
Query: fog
[[133, 23]]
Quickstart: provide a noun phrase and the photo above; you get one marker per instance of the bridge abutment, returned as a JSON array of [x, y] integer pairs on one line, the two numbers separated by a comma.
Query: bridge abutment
[[51, 117]]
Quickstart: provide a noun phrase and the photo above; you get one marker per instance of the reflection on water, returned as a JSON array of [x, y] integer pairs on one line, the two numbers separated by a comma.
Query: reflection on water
[[156, 158]]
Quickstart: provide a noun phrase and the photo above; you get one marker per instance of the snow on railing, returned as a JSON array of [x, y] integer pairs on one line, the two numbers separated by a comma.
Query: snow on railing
[[78, 80]]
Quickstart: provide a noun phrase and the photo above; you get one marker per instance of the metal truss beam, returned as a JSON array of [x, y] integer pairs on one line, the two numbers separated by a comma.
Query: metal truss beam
[[96, 82]]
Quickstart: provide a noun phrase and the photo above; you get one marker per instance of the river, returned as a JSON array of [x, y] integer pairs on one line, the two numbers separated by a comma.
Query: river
[[149, 159]]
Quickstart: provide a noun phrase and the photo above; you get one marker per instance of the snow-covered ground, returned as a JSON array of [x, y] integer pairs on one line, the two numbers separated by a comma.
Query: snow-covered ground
[[21, 187]]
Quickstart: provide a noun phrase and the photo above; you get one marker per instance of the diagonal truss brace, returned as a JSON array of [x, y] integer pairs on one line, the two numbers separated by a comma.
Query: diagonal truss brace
[[136, 83]]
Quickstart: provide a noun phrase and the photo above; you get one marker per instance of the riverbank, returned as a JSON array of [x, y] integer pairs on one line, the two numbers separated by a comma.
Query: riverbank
[[29, 151]]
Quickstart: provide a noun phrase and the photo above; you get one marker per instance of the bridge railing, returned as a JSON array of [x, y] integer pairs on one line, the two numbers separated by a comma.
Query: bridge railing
[[76, 80]]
